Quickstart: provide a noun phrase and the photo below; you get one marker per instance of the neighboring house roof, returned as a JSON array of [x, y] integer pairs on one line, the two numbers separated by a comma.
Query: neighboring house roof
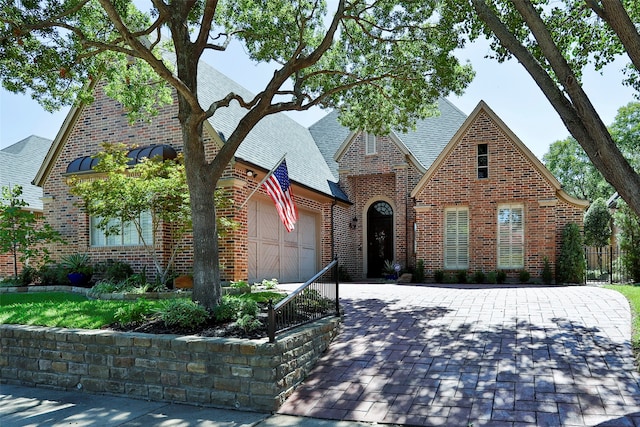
[[424, 144], [483, 107], [19, 164]]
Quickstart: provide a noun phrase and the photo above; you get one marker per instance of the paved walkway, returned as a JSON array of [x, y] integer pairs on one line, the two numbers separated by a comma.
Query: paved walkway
[[475, 356]]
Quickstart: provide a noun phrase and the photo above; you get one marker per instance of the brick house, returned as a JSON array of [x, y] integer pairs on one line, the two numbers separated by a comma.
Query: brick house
[[361, 197]]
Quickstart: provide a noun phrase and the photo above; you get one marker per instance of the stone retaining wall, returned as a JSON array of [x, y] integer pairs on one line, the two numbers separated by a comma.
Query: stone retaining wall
[[223, 372]]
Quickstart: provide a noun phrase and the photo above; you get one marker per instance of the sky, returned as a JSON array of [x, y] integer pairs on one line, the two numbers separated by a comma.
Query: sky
[[506, 87]]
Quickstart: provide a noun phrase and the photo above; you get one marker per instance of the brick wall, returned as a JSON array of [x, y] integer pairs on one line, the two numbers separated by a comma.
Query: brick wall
[[105, 121], [512, 179], [230, 373], [387, 175]]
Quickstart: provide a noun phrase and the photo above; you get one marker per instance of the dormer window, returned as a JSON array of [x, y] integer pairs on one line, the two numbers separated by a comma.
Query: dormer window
[[369, 143], [483, 161]]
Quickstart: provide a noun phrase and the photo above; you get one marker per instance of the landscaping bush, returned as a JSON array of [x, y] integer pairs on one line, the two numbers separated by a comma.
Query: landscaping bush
[[524, 276], [418, 275], [501, 277], [438, 276], [53, 274], [133, 313], [547, 274], [461, 276], [114, 271], [492, 277], [479, 277], [233, 307], [571, 264], [248, 323], [183, 313]]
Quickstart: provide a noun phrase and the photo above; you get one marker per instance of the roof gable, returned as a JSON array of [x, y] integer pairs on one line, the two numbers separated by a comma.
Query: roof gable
[[423, 144], [483, 108]]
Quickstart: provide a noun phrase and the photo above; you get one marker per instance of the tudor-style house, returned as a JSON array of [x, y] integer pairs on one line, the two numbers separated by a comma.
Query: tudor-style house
[[457, 193]]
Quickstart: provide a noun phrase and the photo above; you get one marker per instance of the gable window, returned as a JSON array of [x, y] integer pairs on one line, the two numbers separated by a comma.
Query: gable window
[[369, 143], [123, 234], [510, 236], [483, 161], [456, 238]]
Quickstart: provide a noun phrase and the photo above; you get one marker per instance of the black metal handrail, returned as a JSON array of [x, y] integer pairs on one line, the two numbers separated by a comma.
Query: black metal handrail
[[315, 299]]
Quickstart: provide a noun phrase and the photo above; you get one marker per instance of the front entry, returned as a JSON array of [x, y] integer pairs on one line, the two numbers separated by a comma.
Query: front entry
[[379, 237]]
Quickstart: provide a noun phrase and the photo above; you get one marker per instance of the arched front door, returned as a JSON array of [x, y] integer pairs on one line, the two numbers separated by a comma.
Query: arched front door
[[379, 237]]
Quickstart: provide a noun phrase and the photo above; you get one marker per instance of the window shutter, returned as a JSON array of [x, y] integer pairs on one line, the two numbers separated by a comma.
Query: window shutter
[[370, 143], [511, 236], [456, 245]]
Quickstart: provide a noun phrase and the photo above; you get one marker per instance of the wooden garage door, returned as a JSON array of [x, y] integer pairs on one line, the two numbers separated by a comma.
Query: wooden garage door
[[275, 253]]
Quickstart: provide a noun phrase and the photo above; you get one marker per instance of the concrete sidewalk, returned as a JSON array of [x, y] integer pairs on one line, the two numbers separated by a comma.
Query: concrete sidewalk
[[30, 406]]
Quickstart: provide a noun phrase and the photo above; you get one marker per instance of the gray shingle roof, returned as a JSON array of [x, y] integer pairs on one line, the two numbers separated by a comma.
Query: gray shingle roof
[[271, 138], [19, 164], [425, 143]]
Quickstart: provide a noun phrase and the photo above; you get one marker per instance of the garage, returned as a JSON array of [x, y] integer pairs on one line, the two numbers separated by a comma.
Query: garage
[[275, 253]]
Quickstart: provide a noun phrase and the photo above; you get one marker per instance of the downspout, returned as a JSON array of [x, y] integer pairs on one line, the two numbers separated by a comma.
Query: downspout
[[333, 242]]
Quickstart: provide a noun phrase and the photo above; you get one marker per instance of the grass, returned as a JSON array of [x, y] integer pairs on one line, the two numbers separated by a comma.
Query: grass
[[632, 293], [58, 309], [67, 310]]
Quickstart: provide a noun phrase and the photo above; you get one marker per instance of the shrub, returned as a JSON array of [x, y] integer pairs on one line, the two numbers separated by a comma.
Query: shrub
[[547, 274], [183, 313], [629, 225], [492, 277], [479, 277], [571, 263], [27, 276], [248, 323], [54, 274], [461, 276], [114, 271], [133, 313], [438, 276], [418, 276], [343, 274], [270, 284], [233, 307], [524, 276], [501, 277]]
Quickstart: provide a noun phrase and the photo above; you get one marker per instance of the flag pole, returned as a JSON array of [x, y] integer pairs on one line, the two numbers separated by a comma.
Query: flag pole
[[266, 177]]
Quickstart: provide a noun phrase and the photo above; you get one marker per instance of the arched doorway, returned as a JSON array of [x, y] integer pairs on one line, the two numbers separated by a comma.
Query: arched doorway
[[379, 237]]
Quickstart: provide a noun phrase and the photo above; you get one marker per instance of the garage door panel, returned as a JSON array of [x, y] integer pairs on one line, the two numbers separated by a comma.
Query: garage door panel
[[274, 253]]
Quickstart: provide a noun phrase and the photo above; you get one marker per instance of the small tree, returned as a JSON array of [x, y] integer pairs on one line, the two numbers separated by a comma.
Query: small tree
[[21, 234], [597, 227], [126, 192], [571, 263], [628, 225]]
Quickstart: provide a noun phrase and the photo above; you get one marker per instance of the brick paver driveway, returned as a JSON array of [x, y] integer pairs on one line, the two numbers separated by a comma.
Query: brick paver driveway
[[472, 356]]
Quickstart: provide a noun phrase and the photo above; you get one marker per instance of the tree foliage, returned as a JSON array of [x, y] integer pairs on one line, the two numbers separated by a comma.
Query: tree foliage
[[628, 225], [597, 224], [383, 64], [21, 234], [569, 163], [555, 41]]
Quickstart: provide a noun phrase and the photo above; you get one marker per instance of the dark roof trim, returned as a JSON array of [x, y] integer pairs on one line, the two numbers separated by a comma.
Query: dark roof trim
[[87, 163]]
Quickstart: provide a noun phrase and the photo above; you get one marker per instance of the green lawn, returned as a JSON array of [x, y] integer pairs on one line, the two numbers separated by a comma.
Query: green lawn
[[58, 309], [633, 295]]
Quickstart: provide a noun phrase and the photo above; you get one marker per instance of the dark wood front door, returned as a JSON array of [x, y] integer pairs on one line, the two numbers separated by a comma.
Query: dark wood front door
[[379, 237]]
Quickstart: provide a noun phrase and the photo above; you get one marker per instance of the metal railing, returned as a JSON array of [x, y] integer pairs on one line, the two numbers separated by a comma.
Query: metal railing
[[604, 265], [315, 299]]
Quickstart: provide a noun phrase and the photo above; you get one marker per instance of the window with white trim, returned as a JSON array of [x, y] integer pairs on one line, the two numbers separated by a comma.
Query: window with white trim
[[456, 238], [369, 143], [510, 236], [125, 234]]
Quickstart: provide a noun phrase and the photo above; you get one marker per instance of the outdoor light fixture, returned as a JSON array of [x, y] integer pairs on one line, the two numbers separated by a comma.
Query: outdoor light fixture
[[353, 223], [250, 173]]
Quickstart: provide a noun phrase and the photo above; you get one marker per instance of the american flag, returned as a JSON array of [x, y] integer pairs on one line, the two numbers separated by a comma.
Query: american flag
[[278, 187]]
